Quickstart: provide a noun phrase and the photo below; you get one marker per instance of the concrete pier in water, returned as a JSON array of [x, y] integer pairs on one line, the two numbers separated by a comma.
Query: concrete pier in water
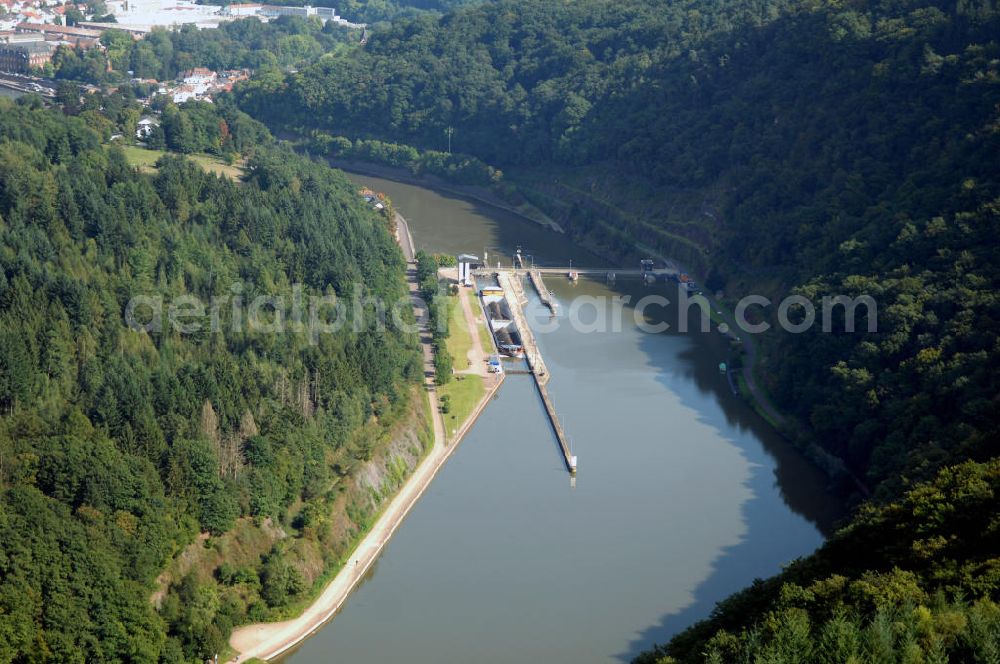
[[511, 285], [543, 292]]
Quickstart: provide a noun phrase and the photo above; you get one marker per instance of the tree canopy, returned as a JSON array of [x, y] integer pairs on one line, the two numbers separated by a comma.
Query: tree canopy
[[119, 445]]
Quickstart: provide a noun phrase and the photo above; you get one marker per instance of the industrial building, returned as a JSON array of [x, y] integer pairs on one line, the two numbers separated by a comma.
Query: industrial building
[[22, 57], [466, 264]]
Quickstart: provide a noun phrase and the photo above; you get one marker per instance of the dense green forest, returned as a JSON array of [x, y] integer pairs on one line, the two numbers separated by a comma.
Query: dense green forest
[[516, 81], [118, 445], [197, 126], [851, 148]]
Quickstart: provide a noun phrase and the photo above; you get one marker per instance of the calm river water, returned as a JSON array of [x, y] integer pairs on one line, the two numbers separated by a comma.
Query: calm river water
[[683, 494]]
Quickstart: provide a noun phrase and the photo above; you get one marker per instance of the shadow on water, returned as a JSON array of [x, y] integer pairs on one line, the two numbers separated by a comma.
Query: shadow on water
[[774, 464], [731, 571], [803, 488]]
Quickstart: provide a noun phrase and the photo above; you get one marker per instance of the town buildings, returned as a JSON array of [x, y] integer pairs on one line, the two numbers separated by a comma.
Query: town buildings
[[22, 57]]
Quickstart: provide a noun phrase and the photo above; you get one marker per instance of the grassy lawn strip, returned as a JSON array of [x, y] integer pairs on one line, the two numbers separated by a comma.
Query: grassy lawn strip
[[146, 161], [459, 340], [484, 333], [463, 392], [141, 157]]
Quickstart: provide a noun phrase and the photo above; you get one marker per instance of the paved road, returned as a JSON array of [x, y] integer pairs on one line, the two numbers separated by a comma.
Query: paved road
[[405, 239], [749, 359]]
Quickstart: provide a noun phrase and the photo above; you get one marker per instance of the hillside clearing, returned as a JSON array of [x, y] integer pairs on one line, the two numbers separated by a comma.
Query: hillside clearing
[[145, 159]]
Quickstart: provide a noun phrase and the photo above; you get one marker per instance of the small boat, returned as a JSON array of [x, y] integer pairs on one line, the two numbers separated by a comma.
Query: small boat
[[572, 276]]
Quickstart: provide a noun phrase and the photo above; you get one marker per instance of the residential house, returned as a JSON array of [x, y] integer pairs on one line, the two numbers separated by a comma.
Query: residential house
[[145, 127]]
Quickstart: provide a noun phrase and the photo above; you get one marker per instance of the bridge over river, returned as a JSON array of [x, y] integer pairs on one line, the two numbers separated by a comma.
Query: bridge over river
[[635, 272]]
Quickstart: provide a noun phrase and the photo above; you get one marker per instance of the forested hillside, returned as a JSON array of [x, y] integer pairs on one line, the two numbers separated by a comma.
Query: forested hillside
[[514, 80], [119, 446]]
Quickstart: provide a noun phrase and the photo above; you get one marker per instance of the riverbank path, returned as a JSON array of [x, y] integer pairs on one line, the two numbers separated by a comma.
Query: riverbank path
[[270, 640]]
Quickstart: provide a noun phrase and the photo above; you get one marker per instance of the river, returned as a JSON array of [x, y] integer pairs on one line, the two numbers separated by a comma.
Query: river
[[683, 494]]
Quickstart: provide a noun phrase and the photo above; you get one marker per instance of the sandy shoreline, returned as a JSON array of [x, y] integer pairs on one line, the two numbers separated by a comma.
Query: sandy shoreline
[[270, 640]]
